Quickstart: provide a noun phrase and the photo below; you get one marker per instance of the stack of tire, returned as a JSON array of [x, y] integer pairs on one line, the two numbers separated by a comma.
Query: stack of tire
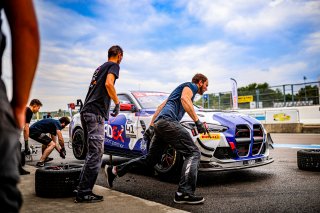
[[57, 180], [309, 159]]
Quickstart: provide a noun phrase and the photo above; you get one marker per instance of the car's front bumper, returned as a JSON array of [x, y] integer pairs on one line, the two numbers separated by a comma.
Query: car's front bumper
[[226, 165]]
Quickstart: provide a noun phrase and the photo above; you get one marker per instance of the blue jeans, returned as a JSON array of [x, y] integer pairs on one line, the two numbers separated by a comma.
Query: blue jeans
[[10, 196], [93, 127], [170, 132]]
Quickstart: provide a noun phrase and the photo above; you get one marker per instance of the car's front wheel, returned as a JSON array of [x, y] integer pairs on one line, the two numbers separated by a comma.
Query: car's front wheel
[[170, 165], [79, 145]]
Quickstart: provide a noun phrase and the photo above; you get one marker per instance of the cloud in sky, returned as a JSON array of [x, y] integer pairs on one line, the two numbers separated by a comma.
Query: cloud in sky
[[166, 42]]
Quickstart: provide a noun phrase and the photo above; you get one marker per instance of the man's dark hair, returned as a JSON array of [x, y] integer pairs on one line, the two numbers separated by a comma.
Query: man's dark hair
[[35, 102], [114, 51], [199, 77], [64, 120]]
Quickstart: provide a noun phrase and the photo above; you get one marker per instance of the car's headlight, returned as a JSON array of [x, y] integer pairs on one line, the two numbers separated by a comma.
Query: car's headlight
[[211, 127], [216, 128]]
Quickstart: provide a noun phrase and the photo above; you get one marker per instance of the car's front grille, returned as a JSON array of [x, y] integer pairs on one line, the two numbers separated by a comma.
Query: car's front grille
[[243, 140], [257, 139], [224, 153]]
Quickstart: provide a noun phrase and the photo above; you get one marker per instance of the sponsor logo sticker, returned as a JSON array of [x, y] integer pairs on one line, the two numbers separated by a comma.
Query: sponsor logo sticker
[[213, 136]]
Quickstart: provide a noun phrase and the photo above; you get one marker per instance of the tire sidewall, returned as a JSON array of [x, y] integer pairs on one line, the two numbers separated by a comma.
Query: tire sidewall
[[79, 153]]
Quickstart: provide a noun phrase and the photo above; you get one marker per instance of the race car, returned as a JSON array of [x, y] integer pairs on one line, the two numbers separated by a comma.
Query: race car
[[233, 141]]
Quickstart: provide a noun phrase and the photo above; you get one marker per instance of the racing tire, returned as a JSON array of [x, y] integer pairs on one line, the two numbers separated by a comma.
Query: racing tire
[[169, 168], [309, 159], [57, 181], [79, 145]]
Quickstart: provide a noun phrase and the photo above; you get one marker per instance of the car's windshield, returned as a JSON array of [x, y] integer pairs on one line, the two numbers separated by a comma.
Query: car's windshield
[[150, 99]]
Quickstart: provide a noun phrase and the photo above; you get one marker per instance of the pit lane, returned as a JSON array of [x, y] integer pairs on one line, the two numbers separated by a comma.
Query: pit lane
[[277, 187]]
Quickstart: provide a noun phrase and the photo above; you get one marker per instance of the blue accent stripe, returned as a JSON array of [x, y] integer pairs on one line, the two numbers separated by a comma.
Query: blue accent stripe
[[260, 118], [297, 146]]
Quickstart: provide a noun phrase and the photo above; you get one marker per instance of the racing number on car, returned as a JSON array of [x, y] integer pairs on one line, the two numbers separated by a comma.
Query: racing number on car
[[130, 131]]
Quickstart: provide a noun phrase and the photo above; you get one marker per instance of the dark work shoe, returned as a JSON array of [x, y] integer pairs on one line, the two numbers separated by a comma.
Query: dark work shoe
[[188, 199], [27, 151], [40, 164], [23, 172], [92, 198], [109, 175], [48, 159]]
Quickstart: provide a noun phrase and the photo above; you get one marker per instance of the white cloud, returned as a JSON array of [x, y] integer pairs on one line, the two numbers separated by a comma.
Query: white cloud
[[254, 18], [312, 43]]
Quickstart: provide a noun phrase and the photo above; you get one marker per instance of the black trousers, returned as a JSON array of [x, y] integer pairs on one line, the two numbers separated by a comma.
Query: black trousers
[[93, 127], [170, 132], [10, 196]]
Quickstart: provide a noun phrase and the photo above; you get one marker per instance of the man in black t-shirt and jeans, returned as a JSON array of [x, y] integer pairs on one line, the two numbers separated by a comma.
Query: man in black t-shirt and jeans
[[93, 115], [38, 133], [33, 107]]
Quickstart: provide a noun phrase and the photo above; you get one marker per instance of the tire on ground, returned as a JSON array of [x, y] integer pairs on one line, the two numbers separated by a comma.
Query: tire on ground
[[79, 145], [309, 159], [57, 181]]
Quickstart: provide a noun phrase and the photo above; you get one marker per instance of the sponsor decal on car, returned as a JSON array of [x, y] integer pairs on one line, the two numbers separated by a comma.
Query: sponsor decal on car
[[212, 136]]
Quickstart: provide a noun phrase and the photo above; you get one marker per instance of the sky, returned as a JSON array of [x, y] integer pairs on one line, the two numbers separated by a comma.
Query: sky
[[166, 42]]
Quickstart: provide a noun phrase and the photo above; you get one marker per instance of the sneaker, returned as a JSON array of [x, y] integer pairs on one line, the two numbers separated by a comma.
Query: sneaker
[[23, 172], [48, 159], [188, 199], [109, 175], [40, 164], [92, 198], [63, 153]]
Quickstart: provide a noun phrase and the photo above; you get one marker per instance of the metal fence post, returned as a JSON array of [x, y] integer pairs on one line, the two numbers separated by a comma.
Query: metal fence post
[[284, 95], [292, 97], [257, 100]]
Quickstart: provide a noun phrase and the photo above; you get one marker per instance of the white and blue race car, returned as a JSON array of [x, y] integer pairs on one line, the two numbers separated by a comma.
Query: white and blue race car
[[235, 141]]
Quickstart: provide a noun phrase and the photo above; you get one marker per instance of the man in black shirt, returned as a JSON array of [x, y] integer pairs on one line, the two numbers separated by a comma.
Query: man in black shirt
[[24, 56], [38, 133], [33, 107], [93, 115]]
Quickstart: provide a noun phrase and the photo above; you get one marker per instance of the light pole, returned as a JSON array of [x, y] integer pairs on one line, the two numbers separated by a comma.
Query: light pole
[[305, 90]]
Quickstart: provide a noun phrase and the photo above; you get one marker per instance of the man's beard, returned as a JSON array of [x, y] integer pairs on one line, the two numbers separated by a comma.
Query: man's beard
[[201, 91]]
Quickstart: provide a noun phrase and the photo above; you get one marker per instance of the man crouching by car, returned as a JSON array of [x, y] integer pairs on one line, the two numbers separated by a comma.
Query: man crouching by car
[[38, 133]]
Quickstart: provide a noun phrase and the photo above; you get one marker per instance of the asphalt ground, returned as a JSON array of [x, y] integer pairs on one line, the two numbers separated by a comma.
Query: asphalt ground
[[277, 187]]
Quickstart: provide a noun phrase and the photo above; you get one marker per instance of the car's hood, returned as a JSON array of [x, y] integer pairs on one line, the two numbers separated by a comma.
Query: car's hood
[[225, 118]]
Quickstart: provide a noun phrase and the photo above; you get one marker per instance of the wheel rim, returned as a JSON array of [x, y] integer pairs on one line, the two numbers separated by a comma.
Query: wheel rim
[[78, 144], [168, 160]]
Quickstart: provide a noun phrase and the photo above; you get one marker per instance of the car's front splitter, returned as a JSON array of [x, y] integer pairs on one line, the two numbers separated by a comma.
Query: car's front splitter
[[235, 165]]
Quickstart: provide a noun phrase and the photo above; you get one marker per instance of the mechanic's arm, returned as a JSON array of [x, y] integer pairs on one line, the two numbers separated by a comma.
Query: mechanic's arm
[[25, 36], [159, 108], [186, 100], [54, 138], [111, 89], [26, 132], [60, 138]]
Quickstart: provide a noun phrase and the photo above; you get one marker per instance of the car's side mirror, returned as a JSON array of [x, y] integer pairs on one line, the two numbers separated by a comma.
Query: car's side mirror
[[127, 107]]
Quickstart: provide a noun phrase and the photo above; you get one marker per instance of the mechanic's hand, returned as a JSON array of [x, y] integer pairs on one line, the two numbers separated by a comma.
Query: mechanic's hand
[[201, 128], [148, 134], [63, 153], [116, 110]]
